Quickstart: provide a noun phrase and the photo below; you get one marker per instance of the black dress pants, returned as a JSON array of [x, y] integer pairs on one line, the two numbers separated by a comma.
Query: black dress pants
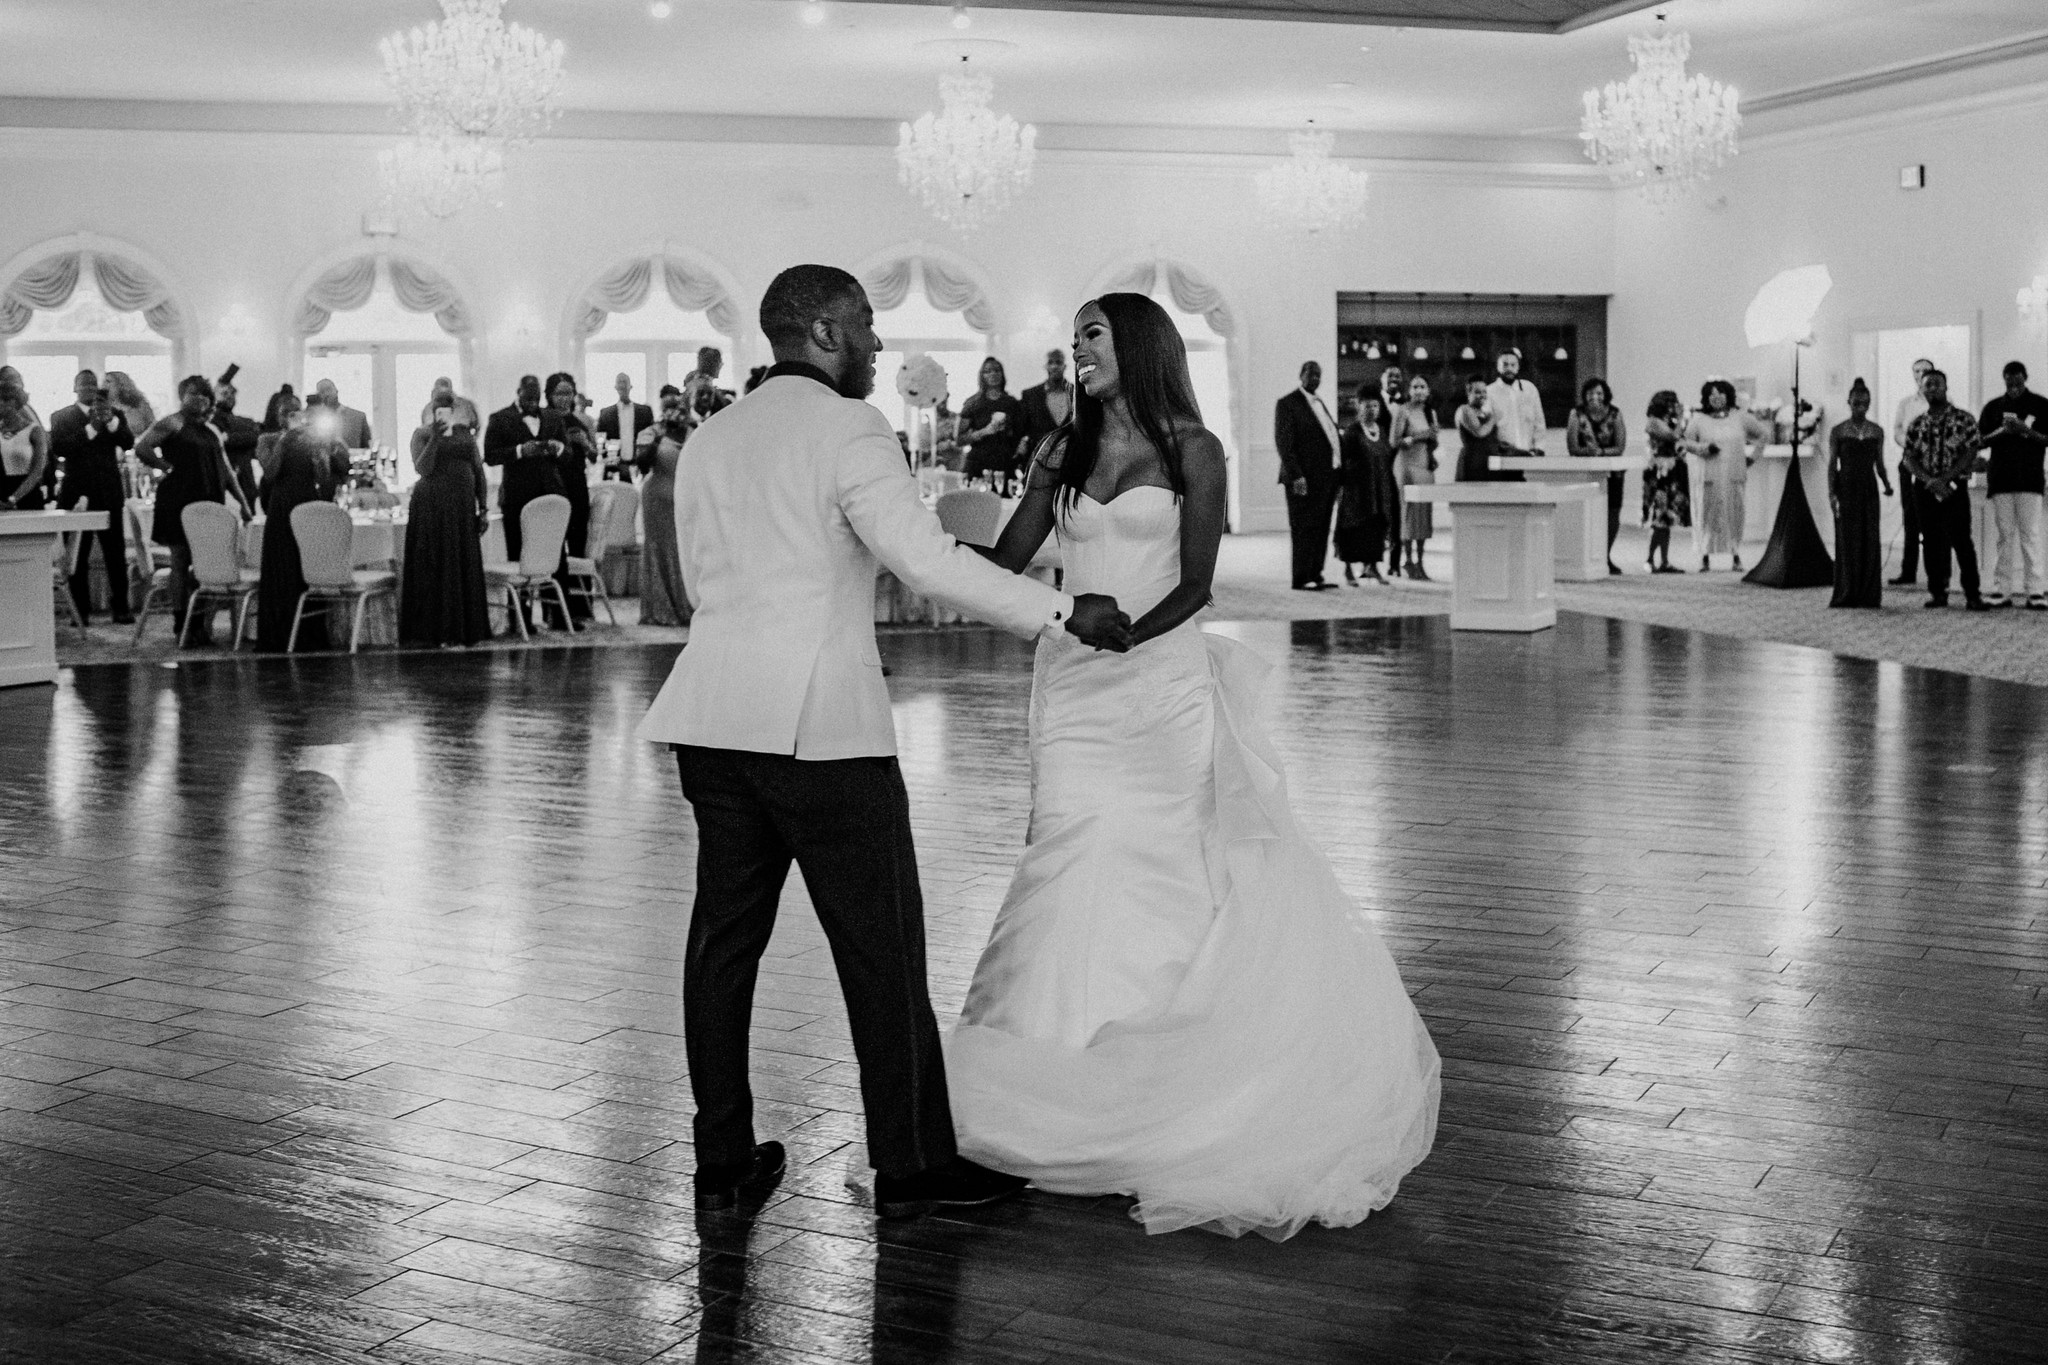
[[1945, 528], [1308, 525], [846, 825], [1909, 517], [101, 491]]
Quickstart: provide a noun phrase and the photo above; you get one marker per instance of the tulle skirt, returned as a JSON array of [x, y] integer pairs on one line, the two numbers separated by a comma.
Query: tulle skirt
[[1178, 1001]]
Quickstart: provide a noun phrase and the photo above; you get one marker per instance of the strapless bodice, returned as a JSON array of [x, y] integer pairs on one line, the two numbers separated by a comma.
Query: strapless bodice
[[1127, 548]]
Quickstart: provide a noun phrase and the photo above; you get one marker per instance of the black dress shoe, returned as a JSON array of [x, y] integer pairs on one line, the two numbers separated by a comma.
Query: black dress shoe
[[720, 1187], [959, 1183], [1902, 581], [1978, 604], [1933, 603]]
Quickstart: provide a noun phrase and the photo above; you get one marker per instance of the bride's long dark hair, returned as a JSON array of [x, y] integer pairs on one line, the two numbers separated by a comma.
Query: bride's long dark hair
[[1152, 375]]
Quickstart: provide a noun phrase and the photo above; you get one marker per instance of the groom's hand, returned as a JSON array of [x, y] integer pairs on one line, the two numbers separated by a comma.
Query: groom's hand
[[1097, 622]]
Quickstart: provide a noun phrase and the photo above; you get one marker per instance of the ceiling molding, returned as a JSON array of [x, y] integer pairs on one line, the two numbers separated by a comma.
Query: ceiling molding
[[1489, 16], [1946, 64]]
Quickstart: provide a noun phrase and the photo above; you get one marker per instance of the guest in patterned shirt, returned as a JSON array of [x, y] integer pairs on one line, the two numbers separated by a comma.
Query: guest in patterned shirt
[[1941, 455]]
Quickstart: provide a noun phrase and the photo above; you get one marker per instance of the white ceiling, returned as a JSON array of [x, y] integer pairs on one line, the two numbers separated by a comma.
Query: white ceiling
[[880, 61]]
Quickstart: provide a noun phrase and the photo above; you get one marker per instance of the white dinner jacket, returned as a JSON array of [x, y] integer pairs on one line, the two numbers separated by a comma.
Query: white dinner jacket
[[785, 502]]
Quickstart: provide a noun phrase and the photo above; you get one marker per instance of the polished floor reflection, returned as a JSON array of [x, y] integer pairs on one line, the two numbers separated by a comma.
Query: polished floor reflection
[[339, 1020]]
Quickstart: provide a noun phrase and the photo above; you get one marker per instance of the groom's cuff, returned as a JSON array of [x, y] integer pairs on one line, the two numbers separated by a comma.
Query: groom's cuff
[[1056, 621]]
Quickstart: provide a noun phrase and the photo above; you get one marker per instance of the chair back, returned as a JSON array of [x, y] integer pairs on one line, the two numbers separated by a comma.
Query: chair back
[[215, 534], [140, 560], [543, 526], [970, 515], [613, 507], [327, 541]]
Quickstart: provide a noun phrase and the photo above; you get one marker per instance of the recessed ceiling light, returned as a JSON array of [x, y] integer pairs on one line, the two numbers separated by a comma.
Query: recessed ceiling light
[[961, 19], [661, 9], [814, 13]]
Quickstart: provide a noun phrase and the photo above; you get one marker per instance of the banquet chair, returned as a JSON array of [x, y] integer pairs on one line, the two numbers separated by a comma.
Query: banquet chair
[[64, 563], [143, 508], [613, 506], [326, 537], [971, 516], [215, 535], [543, 526], [154, 579]]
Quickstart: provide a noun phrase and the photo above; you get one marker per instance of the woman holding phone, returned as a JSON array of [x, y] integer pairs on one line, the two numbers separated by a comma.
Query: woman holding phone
[[442, 599]]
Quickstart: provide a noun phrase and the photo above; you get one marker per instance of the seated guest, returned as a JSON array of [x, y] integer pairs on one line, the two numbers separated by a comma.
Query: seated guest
[[308, 467], [442, 601], [1595, 429], [628, 423], [24, 451], [990, 423], [1047, 406], [1368, 499], [1667, 484], [237, 434], [524, 439], [578, 454], [92, 437]]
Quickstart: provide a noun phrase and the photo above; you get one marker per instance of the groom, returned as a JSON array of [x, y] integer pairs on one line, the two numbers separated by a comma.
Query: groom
[[780, 722]]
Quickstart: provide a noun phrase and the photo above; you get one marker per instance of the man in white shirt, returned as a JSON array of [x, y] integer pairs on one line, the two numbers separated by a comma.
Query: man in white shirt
[[630, 424], [1912, 406], [1516, 406], [785, 504]]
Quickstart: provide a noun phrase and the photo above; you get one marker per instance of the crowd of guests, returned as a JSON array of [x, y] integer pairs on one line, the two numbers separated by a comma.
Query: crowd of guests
[[990, 438]]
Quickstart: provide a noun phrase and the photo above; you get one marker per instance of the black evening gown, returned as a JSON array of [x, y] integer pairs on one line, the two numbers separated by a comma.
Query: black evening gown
[[1859, 552], [443, 599], [306, 470]]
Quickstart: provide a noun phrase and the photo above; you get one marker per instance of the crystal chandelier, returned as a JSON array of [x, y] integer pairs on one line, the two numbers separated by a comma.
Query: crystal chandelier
[[1661, 131], [468, 87], [1310, 191], [965, 163]]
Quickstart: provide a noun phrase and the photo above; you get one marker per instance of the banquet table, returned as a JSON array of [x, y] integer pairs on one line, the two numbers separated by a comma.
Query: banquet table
[[379, 543], [897, 604], [28, 620]]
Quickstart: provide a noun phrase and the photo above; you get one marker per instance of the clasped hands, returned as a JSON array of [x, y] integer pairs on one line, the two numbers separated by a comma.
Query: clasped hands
[[1098, 623]]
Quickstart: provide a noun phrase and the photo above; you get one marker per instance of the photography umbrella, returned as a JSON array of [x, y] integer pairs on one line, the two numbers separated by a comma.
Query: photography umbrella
[[1782, 312]]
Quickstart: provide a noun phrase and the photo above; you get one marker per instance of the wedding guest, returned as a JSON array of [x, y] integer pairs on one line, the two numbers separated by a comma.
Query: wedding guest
[[1047, 406], [1593, 430], [442, 600], [1306, 436], [524, 439], [1667, 484], [1393, 389], [662, 599], [1941, 455], [990, 423], [1726, 441], [273, 424], [92, 436], [755, 378], [351, 426], [1517, 407], [1478, 434], [462, 412], [309, 465], [2014, 426], [1415, 439], [579, 452], [1855, 469], [195, 468], [237, 434], [710, 365], [65, 432], [628, 423], [1909, 409], [1368, 500], [24, 451]]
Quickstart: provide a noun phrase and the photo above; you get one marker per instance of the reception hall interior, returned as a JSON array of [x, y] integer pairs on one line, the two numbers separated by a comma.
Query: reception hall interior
[[1632, 494]]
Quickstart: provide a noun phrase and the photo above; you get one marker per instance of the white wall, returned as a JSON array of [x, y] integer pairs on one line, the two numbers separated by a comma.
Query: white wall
[[235, 219]]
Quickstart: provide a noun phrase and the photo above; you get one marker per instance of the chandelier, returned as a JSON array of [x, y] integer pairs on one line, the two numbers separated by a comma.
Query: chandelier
[[1308, 190], [965, 163], [468, 87], [1661, 131]]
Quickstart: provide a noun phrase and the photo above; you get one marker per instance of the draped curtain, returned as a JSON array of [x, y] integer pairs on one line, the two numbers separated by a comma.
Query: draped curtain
[[348, 286], [627, 287], [420, 290], [1190, 292], [126, 286], [950, 289]]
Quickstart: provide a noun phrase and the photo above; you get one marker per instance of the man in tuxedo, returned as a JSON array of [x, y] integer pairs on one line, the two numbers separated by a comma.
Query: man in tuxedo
[[351, 427], [1047, 406], [527, 440], [630, 424], [786, 503], [87, 439], [238, 435], [1306, 436]]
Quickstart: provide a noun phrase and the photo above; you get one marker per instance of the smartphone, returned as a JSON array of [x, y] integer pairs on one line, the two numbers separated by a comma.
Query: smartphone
[[444, 416]]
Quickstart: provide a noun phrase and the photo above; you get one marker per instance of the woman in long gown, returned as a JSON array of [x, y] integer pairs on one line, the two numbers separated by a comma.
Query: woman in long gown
[[662, 602], [308, 468], [1178, 1001], [1855, 470], [195, 469], [442, 601], [1414, 437], [1366, 492], [1726, 442]]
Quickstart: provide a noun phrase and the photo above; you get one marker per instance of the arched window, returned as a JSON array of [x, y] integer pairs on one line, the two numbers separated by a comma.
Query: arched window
[[85, 304], [932, 306], [622, 324]]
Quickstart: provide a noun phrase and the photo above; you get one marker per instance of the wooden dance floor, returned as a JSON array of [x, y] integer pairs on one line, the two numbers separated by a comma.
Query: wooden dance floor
[[339, 1020]]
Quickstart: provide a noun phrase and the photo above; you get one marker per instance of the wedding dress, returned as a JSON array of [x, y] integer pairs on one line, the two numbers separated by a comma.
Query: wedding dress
[[1178, 1002]]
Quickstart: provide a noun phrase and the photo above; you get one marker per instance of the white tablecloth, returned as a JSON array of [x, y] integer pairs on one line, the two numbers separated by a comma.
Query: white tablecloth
[[898, 604]]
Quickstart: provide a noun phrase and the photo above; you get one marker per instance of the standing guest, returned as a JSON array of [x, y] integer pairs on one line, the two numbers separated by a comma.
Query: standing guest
[[755, 377], [524, 439], [1393, 389], [276, 414], [1306, 436], [579, 453], [65, 430], [129, 401], [1726, 442], [1910, 408], [990, 422], [92, 437], [1941, 455], [308, 466], [237, 434], [273, 423], [2015, 427], [442, 601], [628, 423], [1478, 433], [1855, 469], [462, 412], [1593, 430], [195, 469], [662, 598], [351, 426], [1517, 407], [1367, 497], [24, 451], [1414, 438], [1667, 484], [1047, 406], [710, 365]]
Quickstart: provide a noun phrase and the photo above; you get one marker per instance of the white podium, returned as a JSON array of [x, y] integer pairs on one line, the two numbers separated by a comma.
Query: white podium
[[1581, 530], [28, 615], [1503, 550]]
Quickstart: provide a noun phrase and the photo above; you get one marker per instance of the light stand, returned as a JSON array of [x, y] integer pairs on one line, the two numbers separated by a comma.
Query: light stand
[[1797, 557]]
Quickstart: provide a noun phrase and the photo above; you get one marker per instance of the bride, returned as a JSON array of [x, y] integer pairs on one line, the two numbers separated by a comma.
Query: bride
[[1178, 1002]]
